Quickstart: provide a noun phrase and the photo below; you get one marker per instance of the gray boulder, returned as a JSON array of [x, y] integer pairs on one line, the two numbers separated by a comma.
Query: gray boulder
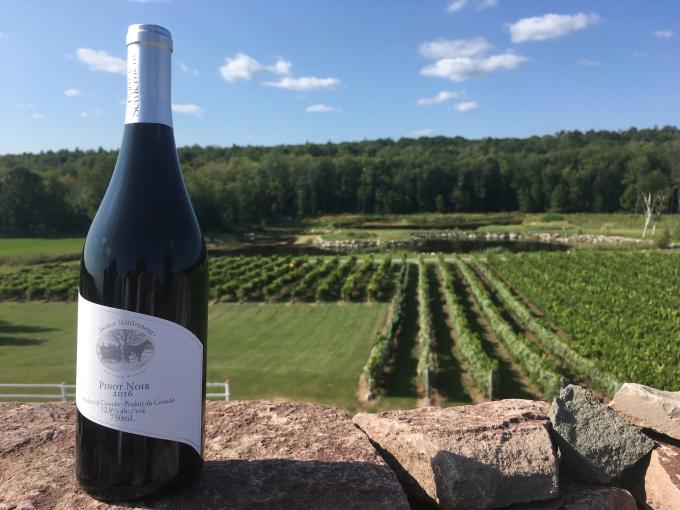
[[596, 444]]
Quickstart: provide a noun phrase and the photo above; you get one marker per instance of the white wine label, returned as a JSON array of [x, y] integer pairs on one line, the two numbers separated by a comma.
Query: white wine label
[[140, 374]]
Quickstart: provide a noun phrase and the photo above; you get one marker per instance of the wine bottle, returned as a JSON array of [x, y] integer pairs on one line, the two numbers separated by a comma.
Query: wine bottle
[[143, 303]]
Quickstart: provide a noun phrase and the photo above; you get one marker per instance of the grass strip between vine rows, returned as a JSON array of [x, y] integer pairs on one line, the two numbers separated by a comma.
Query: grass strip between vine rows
[[600, 379], [385, 345], [484, 369], [536, 365]]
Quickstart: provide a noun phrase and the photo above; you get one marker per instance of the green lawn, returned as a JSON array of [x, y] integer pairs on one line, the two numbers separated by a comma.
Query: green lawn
[[300, 352], [27, 248]]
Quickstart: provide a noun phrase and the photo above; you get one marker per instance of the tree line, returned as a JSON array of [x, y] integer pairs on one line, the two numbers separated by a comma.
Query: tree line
[[232, 188]]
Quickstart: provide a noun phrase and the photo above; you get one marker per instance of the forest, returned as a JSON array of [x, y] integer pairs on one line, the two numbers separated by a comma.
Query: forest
[[233, 188]]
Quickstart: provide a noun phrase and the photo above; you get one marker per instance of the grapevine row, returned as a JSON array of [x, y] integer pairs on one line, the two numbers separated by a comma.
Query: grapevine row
[[600, 379], [326, 290], [484, 370], [385, 345], [426, 360], [303, 287], [351, 286], [536, 365], [379, 286]]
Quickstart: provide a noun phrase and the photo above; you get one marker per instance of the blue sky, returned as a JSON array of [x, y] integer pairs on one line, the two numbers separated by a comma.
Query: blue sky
[[270, 72]]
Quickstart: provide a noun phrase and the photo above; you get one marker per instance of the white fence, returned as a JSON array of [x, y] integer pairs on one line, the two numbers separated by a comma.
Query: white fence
[[67, 391]]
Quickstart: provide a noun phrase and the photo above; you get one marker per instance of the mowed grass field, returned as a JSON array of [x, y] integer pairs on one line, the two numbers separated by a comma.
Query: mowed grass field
[[32, 246], [310, 352]]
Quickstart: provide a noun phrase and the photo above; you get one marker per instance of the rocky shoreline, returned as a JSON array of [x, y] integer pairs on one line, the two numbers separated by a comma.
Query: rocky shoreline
[[418, 238]]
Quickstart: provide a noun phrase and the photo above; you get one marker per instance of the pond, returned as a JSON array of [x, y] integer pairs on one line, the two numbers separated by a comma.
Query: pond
[[422, 246], [469, 246]]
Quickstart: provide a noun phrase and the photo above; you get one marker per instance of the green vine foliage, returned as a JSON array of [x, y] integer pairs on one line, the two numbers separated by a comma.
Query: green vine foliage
[[483, 369], [536, 364]]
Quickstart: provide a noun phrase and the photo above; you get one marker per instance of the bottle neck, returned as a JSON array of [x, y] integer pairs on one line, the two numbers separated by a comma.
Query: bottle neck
[[148, 84]]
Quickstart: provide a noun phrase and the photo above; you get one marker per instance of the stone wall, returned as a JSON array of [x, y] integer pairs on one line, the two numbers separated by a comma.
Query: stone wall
[[416, 238], [515, 454]]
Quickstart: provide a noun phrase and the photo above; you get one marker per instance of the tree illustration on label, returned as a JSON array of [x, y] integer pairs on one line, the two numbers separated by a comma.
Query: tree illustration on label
[[125, 349]]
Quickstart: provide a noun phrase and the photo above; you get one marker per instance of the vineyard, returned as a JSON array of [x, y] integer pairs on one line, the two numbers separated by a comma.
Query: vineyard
[[490, 325], [232, 279]]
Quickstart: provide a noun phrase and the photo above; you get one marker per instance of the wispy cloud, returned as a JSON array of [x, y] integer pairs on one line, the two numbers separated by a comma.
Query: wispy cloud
[[321, 108], [452, 48], [25, 106], [456, 5], [244, 67], [442, 97], [586, 62], [479, 5], [304, 83], [420, 133], [664, 34], [100, 60], [186, 69], [638, 55], [37, 115], [188, 109], [486, 4], [2, 35], [90, 114], [465, 106], [550, 26], [72, 92]]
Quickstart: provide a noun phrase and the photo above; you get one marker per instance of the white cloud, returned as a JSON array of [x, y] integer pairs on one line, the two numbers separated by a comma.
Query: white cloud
[[456, 5], [189, 109], [25, 106], [637, 55], [664, 34], [321, 108], [282, 66], [420, 133], [550, 26], [2, 35], [91, 114], [37, 115], [586, 62], [465, 106], [465, 68], [304, 83], [244, 67], [100, 60], [442, 97], [186, 69], [240, 67], [444, 48], [72, 92]]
